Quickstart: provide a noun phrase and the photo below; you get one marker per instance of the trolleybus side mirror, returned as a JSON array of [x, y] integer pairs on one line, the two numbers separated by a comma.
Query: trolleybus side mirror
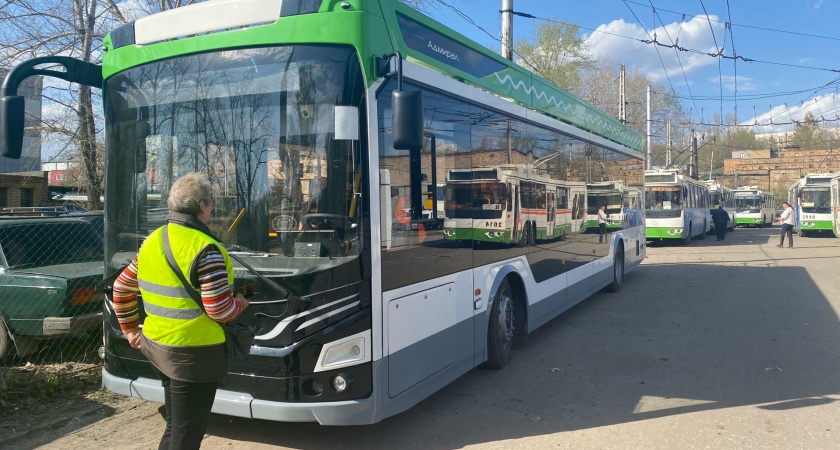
[[11, 126], [407, 111]]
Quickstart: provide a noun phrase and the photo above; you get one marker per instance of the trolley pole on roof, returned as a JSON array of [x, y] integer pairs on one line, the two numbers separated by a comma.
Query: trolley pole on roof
[[649, 158], [507, 29]]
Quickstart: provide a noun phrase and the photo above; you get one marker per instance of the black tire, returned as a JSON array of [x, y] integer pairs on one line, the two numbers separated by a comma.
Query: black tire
[[6, 344], [618, 272], [803, 233], [500, 329], [703, 234], [523, 238], [533, 234], [687, 238]]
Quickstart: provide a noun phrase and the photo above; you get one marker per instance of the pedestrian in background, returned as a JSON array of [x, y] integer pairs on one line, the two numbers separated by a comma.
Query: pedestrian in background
[[788, 221], [721, 220], [602, 224], [185, 345]]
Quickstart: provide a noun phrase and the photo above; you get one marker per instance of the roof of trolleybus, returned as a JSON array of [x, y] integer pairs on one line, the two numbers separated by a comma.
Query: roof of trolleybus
[[218, 25]]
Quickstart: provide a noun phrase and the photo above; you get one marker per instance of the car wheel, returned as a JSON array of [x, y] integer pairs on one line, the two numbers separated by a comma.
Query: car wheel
[[618, 272], [500, 331], [6, 344]]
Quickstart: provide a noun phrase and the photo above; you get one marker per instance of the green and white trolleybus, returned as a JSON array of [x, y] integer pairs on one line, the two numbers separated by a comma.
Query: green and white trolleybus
[[613, 195], [677, 206], [754, 207], [722, 195], [322, 126], [810, 196], [510, 204]]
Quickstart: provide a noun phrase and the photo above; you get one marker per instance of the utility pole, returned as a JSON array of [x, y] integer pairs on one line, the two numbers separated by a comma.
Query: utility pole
[[649, 147], [711, 164], [668, 139], [694, 163], [507, 29], [622, 103]]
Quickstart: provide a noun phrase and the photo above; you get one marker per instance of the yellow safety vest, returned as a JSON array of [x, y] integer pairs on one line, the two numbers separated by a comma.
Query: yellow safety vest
[[172, 317]]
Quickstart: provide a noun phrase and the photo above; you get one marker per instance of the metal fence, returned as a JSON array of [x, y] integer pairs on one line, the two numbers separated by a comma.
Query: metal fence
[[50, 310]]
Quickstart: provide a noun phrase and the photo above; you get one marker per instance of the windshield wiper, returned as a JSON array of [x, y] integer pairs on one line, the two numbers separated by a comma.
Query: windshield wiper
[[282, 290]]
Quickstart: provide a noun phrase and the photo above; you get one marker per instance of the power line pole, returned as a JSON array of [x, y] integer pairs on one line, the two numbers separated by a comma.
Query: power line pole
[[507, 29], [622, 103], [668, 138], [694, 163], [649, 148]]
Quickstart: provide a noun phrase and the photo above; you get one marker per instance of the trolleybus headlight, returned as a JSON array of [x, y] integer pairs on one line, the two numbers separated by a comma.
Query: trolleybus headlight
[[448, 233], [341, 382]]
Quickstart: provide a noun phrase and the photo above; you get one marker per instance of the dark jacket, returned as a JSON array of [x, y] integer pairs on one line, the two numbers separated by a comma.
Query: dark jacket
[[720, 216]]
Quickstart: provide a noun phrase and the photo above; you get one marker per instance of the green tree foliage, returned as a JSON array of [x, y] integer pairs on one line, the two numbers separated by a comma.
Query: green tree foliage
[[555, 52]]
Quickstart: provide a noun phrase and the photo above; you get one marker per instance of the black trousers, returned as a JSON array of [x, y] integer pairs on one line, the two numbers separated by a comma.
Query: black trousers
[[602, 231], [187, 407], [720, 230], [786, 229]]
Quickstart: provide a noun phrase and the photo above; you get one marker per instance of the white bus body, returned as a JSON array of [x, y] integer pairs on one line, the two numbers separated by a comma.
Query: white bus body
[[754, 207], [677, 207]]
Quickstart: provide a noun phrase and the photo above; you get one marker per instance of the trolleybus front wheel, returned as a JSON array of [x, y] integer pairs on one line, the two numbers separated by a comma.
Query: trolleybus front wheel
[[687, 238], [500, 332], [618, 271]]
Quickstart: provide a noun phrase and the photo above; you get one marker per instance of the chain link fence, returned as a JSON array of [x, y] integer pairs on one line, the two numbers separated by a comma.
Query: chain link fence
[[51, 260]]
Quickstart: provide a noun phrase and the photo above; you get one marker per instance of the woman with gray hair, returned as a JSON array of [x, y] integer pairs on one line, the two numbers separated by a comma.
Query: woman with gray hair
[[183, 340]]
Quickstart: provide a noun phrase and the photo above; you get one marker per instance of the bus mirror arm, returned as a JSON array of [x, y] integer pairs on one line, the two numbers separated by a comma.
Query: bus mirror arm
[[12, 105]]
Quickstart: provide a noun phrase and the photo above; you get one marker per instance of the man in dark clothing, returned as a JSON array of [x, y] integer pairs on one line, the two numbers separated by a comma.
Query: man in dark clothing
[[721, 219]]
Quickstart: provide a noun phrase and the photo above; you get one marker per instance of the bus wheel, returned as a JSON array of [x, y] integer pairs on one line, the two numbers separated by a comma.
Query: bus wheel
[[803, 233], [533, 242], [563, 234], [500, 332], [523, 238], [687, 238], [703, 234], [618, 271]]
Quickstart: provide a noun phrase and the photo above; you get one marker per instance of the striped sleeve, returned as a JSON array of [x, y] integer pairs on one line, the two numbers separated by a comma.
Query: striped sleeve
[[216, 294], [125, 297]]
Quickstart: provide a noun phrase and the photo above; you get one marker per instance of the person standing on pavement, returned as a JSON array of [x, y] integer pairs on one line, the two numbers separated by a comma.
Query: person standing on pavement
[[721, 220], [602, 223], [185, 345], [788, 221]]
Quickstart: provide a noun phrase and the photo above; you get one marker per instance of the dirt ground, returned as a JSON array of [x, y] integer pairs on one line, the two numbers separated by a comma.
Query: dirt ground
[[718, 345]]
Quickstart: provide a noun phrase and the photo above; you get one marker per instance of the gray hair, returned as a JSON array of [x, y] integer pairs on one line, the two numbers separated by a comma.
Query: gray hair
[[188, 191]]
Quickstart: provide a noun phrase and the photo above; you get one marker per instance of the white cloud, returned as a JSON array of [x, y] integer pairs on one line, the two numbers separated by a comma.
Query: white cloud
[[805, 60], [728, 81], [694, 34], [823, 107], [817, 4]]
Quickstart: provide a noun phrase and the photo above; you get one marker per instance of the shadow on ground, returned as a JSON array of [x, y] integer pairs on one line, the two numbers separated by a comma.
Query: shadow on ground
[[679, 338]]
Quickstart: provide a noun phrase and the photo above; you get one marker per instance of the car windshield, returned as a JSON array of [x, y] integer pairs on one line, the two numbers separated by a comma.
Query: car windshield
[[815, 200], [45, 244], [663, 197]]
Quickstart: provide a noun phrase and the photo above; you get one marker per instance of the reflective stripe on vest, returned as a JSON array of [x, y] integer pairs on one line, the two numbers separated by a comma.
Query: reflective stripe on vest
[[173, 318]]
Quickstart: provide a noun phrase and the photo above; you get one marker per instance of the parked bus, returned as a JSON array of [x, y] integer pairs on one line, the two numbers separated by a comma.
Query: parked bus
[[722, 195], [834, 186], [511, 204], [754, 207], [613, 195], [320, 125], [810, 196], [677, 206]]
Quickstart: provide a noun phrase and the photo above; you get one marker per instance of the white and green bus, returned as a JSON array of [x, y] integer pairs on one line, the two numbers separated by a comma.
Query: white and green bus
[[834, 186], [810, 198], [511, 204], [324, 127], [722, 195], [676, 206], [754, 207], [613, 195]]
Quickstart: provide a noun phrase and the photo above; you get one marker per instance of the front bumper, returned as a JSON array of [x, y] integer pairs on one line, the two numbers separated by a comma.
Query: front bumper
[[59, 326]]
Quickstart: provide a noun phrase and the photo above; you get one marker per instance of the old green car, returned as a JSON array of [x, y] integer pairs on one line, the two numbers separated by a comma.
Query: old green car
[[48, 271]]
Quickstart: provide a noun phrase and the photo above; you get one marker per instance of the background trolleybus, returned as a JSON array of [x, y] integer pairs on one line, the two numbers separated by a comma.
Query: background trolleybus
[[324, 128], [754, 207], [810, 196], [677, 206], [510, 204], [722, 195], [613, 195]]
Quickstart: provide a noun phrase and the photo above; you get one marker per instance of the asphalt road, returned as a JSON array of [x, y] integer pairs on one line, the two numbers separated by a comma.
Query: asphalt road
[[726, 345]]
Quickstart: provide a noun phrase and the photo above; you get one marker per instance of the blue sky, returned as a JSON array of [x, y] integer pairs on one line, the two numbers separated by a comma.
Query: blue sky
[[760, 86]]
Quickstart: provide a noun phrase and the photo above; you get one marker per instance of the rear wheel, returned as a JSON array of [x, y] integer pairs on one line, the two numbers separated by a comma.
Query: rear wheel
[[618, 271], [703, 234], [533, 234], [500, 331], [523, 237]]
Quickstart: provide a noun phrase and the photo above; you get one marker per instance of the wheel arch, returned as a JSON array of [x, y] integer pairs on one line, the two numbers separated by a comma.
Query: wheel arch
[[520, 299]]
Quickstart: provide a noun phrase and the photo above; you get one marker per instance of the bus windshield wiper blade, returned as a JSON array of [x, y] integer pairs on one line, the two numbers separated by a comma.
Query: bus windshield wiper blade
[[277, 286]]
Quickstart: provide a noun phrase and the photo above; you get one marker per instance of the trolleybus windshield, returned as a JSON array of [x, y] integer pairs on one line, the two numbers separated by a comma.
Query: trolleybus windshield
[[815, 200]]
